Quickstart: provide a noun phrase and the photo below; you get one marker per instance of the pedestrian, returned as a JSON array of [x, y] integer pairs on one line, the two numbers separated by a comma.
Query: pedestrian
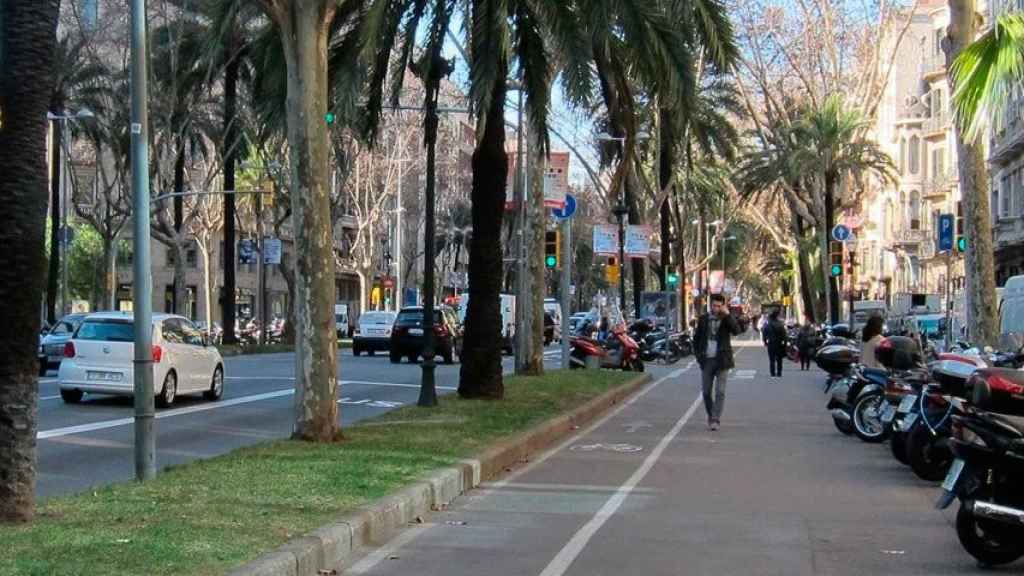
[[776, 340], [713, 349], [870, 338], [806, 340]]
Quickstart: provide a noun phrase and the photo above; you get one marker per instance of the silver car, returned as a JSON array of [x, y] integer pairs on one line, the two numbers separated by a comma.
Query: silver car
[[51, 347]]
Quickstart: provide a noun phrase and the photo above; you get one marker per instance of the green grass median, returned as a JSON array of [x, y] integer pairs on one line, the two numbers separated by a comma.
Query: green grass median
[[209, 516]]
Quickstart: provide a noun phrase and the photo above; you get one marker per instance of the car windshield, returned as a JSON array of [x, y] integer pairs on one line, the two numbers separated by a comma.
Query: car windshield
[[415, 317], [376, 318], [106, 331]]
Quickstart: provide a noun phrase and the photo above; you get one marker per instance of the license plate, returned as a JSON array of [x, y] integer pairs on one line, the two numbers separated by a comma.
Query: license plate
[[888, 413], [949, 484], [103, 376], [907, 403], [416, 331], [908, 422]]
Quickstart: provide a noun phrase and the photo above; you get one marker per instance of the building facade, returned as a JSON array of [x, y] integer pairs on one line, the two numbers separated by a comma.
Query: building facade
[[897, 239]]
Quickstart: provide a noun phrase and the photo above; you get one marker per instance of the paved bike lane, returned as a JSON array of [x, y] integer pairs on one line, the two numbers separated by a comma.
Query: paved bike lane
[[650, 491]]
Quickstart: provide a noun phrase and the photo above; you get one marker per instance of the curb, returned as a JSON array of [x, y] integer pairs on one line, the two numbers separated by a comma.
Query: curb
[[330, 546]]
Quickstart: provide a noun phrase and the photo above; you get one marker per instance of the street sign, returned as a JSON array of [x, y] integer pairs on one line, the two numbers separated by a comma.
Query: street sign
[[246, 252], [945, 232], [567, 210], [841, 233], [389, 282], [272, 251]]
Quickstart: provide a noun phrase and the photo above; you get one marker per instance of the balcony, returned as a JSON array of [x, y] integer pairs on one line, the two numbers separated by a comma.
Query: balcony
[[1007, 143], [933, 66], [936, 126], [909, 237], [939, 187]]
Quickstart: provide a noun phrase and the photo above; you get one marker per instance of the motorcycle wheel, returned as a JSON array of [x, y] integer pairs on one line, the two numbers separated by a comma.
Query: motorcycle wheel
[[867, 421], [927, 459], [637, 365], [989, 542], [844, 426], [898, 445], [577, 355]]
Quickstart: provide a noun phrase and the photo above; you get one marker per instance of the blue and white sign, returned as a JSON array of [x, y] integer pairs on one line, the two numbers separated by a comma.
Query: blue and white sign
[[945, 232], [566, 211], [841, 233]]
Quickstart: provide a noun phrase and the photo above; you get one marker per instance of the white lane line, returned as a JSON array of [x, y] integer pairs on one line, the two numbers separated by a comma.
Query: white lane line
[[387, 551], [561, 562], [41, 398], [106, 424], [47, 380]]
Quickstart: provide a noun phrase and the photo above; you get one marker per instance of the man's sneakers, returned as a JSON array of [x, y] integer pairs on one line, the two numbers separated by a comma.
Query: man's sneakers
[[713, 425]]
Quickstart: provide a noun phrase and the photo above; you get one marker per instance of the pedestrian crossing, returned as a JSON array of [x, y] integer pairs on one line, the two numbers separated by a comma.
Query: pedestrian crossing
[[743, 374]]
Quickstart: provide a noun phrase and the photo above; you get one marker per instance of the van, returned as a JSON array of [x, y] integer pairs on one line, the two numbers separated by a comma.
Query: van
[[1011, 311], [341, 324], [507, 305]]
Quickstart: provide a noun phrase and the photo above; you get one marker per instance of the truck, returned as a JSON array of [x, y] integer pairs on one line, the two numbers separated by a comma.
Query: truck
[[865, 309], [508, 319], [906, 303]]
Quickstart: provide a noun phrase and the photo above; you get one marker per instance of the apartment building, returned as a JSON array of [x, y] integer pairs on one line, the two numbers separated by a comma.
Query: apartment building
[[897, 240], [1006, 171]]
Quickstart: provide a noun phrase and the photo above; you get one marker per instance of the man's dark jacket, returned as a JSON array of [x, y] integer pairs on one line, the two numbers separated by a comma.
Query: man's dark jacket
[[727, 327]]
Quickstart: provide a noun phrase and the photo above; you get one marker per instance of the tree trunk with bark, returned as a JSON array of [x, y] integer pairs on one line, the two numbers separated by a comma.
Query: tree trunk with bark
[[480, 374], [108, 274], [804, 270], [304, 30], [832, 288], [979, 265], [535, 261], [28, 33]]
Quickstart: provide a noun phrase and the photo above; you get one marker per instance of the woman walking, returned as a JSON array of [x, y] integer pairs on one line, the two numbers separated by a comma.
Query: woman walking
[[805, 342]]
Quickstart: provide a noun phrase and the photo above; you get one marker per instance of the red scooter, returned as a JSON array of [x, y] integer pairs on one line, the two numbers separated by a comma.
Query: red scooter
[[618, 352]]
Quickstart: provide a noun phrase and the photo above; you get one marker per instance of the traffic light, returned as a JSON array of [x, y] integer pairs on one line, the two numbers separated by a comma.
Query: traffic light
[[611, 271], [329, 118], [836, 259], [672, 279], [961, 238], [552, 250]]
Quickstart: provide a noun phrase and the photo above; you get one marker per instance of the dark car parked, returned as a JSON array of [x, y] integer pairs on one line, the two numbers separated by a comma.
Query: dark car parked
[[51, 346], [407, 335]]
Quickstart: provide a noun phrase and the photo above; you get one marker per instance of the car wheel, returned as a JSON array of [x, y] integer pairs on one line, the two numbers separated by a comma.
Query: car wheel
[[169, 391], [216, 386], [355, 351], [395, 358], [43, 367], [371, 352], [71, 396]]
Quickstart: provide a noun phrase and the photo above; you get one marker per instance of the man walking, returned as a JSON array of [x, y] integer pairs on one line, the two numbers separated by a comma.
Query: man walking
[[713, 349], [776, 339]]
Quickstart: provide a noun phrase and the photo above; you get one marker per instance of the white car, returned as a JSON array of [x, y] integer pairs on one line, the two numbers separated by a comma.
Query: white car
[[98, 359], [373, 333]]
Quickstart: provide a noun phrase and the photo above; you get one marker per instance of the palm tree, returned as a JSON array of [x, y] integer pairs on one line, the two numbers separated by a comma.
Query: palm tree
[[982, 75], [28, 37], [832, 150]]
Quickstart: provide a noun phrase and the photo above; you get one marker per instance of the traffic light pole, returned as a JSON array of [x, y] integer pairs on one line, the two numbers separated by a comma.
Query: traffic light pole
[[566, 262]]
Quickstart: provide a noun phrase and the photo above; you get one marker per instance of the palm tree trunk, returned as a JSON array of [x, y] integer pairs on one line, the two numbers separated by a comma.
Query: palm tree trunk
[[666, 163], [830, 216], [230, 155], [480, 374], [535, 256], [179, 302], [979, 267], [304, 30], [804, 270], [55, 220], [29, 30]]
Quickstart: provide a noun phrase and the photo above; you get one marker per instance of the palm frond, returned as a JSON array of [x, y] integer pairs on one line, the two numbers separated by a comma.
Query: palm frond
[[985, 73]]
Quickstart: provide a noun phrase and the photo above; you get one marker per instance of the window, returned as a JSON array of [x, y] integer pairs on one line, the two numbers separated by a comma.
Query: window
[[915, 154], [937, 44], [903, 156], [124, 253], [172, 331], [915, 210], [192, 258], [938, 163], [1005, 191], [170, 257], [103, 330], [191, 335], [1018, 186]]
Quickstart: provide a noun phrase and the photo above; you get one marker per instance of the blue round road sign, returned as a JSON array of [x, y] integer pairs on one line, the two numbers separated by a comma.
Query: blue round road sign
[[568, 210], [840, 233]]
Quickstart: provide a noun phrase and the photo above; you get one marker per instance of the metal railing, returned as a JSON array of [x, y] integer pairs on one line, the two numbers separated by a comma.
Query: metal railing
[[933, 64]]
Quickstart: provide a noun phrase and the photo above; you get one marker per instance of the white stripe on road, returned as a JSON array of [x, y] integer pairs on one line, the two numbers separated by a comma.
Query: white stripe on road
[[41, 398], [106, 424], [571, 551]]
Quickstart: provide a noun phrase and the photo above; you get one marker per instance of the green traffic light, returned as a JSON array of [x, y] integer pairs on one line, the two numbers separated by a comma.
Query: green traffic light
[[673, 278], [837, 270], [961, 244], [329, 117], [550, 261]]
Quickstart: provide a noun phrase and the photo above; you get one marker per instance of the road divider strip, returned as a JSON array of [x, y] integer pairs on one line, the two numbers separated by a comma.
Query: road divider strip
[[107, 424]]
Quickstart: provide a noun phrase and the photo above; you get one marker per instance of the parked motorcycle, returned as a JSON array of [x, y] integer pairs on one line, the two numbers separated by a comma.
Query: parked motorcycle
[[619, 352], [988, 468]]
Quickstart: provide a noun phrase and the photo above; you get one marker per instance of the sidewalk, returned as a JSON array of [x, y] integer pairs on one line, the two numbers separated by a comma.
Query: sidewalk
[[650, 491]]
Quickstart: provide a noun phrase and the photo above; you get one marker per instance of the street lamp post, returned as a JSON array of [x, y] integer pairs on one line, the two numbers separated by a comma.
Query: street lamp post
[[61, 194], [620, 210], [435, 68]]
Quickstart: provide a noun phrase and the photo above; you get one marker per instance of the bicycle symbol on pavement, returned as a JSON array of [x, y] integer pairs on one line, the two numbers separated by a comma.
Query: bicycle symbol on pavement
[[625, 448]]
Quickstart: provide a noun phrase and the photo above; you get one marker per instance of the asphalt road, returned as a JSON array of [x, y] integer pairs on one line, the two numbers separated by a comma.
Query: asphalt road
[[91, 444], [649, 490]]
